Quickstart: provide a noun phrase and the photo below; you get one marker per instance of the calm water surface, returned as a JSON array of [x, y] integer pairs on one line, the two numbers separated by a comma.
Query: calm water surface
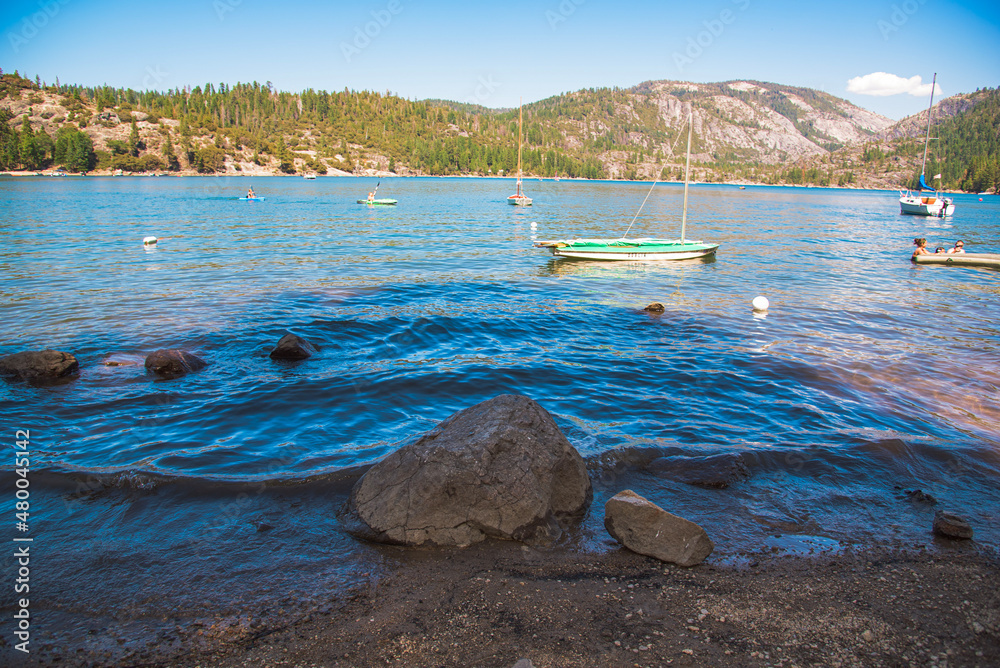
[[868, 375]]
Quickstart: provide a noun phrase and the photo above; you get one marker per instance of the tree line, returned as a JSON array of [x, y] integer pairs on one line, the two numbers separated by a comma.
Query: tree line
[[573, 134]]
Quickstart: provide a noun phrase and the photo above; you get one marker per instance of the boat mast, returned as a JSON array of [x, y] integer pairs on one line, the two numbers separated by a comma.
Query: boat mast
[[927, 139], [520, 119], [687, 176]]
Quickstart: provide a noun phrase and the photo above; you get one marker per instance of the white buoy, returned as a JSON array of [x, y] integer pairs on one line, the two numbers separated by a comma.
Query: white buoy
[[760, 303], [149, 241], [534, 224]]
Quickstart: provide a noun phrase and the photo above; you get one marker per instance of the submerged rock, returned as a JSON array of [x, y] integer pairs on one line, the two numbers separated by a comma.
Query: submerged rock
[[950, 525], [644, 527], [655, 307], [718, 471], [39, 365], [501, 468], [919, 496], [292, 348], [172, 362]]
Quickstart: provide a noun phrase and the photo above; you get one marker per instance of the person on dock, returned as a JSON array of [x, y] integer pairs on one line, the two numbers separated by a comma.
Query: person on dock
[[959, 247], [921, 246]]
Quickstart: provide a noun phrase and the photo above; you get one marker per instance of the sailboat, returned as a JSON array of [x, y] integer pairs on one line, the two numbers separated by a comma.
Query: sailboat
[[519, 198], [645, 248], [926, 202]]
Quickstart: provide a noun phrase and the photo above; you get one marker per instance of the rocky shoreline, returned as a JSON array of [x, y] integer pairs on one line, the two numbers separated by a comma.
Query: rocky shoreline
[[446, 591], [504, 604], [371, 173]]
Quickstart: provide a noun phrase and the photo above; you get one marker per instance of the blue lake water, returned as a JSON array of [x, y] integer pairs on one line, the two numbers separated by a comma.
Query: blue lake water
[[868, 375]]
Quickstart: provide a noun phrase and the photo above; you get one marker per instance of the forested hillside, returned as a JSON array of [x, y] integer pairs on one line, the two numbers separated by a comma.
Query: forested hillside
[[744, 131]]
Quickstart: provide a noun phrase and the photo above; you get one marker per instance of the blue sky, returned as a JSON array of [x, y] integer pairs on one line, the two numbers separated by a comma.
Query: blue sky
[[496, 53]]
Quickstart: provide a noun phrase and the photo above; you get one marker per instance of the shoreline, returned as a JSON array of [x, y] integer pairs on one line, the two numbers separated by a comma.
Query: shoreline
[[496, 603], [380, 175]]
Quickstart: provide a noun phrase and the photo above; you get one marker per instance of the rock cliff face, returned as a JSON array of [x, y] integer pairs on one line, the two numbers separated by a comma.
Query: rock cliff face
[[758, 121], [915, 126]]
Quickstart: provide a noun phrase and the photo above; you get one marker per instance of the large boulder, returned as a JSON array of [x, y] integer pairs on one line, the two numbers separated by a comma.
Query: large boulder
[[171, 362], [644, 527], [501, 468], [292, 348], [39, 365]]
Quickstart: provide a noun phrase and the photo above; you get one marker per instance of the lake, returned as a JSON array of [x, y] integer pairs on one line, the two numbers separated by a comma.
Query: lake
[[868, 377]]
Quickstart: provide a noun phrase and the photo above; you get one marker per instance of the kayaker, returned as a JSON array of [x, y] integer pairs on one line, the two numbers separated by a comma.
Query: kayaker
[[250, 193], [371, 197], [921, 246]]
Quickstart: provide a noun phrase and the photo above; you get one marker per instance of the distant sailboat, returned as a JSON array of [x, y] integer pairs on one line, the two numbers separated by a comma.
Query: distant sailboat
[[644, 248], [922, 203], [519, 198]]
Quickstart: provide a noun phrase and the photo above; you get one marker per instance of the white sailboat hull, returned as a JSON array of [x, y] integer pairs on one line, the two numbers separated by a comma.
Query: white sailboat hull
[[918, 205], [629, 249], [637, 256]]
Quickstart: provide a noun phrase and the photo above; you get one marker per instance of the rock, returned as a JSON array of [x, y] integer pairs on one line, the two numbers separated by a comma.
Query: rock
[[919, 496], [655, 307], [501, 468], [524, 663], [644, 527], [950, 525], [718, 471], [292, 348], [172, 362], [121, 359], [39, 365]]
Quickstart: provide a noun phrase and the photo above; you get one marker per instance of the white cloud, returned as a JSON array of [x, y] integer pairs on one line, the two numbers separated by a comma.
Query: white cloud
[[883, 84]]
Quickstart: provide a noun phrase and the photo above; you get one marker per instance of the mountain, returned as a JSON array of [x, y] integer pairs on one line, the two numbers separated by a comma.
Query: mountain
[[736, 123], [915, 126], [767, 122], [744, 131], [964, 146]]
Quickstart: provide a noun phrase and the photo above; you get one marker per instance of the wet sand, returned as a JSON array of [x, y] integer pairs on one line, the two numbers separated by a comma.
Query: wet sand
[[498, 603]]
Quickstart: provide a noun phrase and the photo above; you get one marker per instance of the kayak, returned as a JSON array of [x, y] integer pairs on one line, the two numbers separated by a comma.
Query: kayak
[[252, 199], [382, 202]]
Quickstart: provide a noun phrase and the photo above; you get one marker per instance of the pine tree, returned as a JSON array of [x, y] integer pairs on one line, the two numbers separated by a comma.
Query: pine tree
[[169, 157], [28, 147], [74, 150], [134, 143], [8, 142]]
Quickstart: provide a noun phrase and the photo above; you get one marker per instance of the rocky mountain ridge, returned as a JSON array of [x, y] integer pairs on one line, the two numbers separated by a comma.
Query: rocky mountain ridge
[[744, 131]]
